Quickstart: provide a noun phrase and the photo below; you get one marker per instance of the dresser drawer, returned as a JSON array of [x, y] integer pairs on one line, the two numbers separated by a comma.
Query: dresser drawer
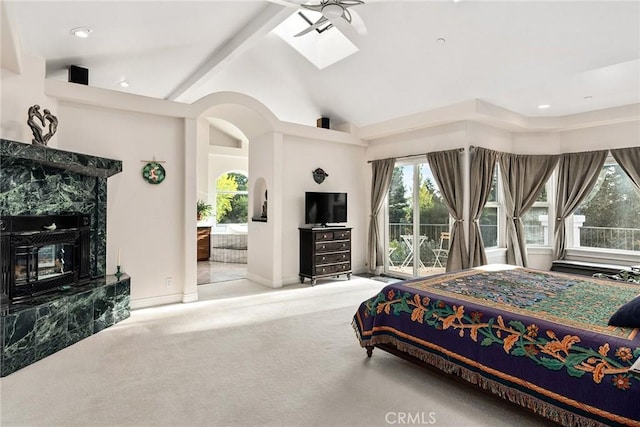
[[323, 236], [342, 235], [332, 268], [332, 246], [332, 235], [331, 258]]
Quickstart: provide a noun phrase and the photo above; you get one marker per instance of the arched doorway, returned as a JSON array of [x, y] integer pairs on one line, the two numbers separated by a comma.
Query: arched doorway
[[258, 126]]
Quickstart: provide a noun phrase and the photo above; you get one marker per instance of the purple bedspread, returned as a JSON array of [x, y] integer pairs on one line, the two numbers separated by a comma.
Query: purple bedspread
[[536, 338]]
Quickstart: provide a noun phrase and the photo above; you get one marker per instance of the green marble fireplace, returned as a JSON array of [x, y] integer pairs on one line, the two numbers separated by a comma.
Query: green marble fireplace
[[37, 181]]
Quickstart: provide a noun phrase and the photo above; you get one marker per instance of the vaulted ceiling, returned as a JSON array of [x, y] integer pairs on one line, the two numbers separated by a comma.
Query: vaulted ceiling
[[575, 56]]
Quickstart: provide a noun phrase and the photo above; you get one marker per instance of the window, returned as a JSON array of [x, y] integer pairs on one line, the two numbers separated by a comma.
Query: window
[[231, 199], [416, 218], [536, 220], [489, 218], [609, 217]]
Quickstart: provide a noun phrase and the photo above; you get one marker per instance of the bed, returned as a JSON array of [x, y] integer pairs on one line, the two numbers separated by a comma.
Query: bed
[[538, 339]]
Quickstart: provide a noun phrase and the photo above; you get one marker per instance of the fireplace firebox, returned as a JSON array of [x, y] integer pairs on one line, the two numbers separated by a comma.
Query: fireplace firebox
[[43, 253]]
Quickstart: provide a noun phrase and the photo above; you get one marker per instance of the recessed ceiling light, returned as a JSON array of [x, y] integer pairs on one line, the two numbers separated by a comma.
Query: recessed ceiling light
[[441, 40], [82, 32], [124, 83], [543, 106], [588, 97]]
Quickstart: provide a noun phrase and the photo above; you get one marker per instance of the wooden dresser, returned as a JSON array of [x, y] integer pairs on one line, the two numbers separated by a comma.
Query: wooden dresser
[[324, 252], [204, 243]]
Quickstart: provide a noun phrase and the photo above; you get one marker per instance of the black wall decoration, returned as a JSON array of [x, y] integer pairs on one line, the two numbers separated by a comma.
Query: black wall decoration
[[319, 175]]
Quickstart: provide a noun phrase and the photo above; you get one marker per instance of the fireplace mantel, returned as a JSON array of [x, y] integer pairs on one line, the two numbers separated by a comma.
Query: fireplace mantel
[[83, 164], [38, 180]]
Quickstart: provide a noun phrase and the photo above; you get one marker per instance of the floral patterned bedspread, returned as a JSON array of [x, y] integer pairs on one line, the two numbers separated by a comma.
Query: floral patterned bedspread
[[537, 338]]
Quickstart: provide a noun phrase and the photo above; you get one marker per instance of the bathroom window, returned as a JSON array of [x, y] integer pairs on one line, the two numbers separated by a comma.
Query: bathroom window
[[232, 198]]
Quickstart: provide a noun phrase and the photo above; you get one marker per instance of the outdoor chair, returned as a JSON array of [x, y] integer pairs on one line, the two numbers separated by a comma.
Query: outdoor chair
[[442, 252]]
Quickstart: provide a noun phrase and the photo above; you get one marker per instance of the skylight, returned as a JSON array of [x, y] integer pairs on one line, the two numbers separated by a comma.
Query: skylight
[[322, 48]]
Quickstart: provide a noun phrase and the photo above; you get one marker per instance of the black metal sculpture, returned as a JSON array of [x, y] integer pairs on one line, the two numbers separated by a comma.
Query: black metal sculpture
[[46, 119]]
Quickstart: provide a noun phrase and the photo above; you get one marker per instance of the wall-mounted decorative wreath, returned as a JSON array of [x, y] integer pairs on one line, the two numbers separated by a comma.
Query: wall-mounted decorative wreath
[[153, 172]]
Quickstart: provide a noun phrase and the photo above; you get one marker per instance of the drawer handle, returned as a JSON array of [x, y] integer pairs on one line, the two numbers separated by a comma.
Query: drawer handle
[[324, 258], [323, 246]]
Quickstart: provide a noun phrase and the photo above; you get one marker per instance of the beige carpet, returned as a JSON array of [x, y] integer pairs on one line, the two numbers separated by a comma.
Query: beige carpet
[[263, 358]]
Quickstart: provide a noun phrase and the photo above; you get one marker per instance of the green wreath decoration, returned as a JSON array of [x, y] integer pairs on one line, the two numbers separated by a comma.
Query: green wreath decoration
[[153, 173]]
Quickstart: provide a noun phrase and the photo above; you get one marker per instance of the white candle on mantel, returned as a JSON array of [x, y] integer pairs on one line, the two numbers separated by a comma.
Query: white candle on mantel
[[118, 256]]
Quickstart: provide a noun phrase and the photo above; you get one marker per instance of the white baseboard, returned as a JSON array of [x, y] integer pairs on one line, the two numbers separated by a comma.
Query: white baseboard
[[262, 281], [190, 297], [155, 301]]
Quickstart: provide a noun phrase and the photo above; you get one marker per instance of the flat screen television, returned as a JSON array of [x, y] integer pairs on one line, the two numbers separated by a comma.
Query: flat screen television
[[325, 208]]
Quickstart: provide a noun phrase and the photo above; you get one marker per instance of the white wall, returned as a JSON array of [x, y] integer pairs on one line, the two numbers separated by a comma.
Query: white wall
[[348, 172], [221, 163], [202, 159], [482, 135], [144, 220], [536, 143], [421, 141], [222, 139], [21, 91], [264, 242], [616, 135]]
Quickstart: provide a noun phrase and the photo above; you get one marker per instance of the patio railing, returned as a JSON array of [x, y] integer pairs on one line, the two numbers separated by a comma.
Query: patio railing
[[627, 239], [401, 256], [431, 231]]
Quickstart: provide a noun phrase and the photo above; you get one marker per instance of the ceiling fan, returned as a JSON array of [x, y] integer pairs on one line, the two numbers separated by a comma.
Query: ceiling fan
[[335, 12]]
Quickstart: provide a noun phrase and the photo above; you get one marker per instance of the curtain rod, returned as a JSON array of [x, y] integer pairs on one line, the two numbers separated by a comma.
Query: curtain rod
[[410, 156]]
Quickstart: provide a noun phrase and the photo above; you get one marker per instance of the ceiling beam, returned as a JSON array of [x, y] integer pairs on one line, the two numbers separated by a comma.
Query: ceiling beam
[[265, 21]]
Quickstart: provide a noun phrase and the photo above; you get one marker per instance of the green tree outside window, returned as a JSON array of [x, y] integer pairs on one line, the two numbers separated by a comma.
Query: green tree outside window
[[232, 198]]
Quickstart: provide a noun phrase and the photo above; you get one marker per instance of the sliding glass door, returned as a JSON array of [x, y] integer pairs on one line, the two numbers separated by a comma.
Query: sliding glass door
[[417, 223]]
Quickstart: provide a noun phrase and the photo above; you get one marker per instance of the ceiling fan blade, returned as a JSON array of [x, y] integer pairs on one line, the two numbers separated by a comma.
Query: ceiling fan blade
[[320, 22], [358, 23], [343, 25], [314, 7]]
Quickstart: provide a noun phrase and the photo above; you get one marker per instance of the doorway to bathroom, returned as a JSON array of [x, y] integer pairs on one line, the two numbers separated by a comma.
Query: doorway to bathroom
[[227, 240]]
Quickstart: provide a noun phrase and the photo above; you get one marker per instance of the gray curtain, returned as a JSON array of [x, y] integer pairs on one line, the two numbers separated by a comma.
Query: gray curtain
[[447, 171], [483, 163], [382, 171], [629, 161], [523, 176], [577, 175]]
